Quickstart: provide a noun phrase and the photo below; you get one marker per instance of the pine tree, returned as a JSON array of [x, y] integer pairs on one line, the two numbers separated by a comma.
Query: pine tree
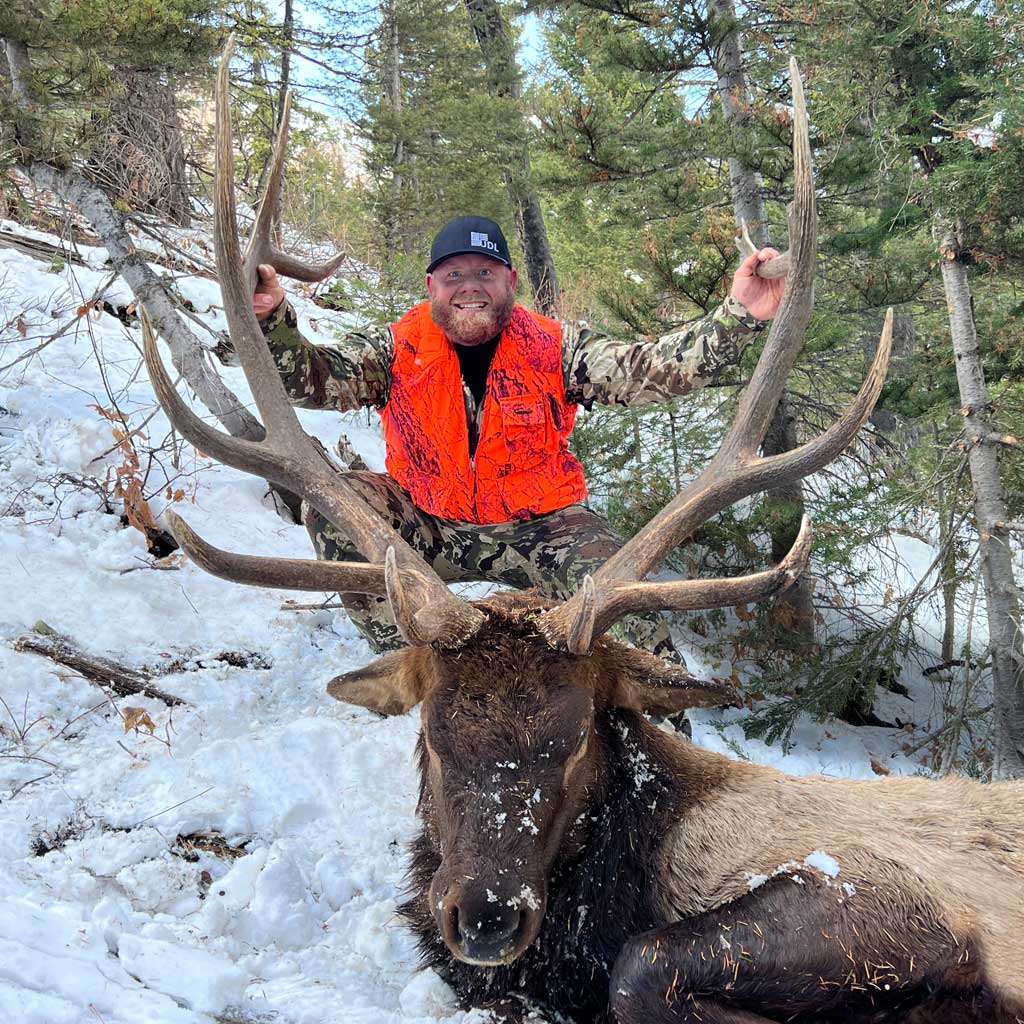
[[104, 78], [435, 137], [936, 79]]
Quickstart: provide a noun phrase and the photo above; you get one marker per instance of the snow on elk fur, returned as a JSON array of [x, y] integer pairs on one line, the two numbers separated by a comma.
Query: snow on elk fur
[[572, 853]]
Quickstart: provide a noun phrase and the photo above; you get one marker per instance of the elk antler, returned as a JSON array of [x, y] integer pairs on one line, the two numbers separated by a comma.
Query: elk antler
[[618, 587], [777, 266], [261, 248], [429, 612]]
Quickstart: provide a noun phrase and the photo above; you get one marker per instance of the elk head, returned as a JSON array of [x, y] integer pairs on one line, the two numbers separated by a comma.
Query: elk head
[[510, 759], [513, 689]]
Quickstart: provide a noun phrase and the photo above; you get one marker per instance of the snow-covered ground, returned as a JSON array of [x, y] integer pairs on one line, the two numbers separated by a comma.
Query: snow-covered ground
[[281, 905]]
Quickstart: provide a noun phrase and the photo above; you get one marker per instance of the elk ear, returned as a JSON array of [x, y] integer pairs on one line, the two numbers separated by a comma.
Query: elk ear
[[390, 685], [662, 688]]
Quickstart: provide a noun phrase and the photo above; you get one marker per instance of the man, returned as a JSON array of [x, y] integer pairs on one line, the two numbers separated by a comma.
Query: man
[[477, 397]]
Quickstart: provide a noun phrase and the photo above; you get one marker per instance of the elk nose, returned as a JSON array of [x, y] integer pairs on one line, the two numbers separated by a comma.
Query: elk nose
[[486, 935]]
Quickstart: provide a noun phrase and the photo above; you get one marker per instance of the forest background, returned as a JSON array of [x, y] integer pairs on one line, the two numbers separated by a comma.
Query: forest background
[[623, 145]]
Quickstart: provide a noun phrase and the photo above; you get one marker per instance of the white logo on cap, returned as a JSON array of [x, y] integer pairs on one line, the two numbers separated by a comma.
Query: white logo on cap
[[480, 240]]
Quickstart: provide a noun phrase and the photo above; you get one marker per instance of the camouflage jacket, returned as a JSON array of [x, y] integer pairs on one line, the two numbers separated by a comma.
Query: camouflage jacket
[[355, 371]]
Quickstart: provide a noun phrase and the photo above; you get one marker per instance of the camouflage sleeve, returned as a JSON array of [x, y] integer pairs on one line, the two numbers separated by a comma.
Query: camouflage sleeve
[[353, 372], [615, 372]]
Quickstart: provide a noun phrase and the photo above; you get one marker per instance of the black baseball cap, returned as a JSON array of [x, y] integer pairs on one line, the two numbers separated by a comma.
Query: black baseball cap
[[463, 235]]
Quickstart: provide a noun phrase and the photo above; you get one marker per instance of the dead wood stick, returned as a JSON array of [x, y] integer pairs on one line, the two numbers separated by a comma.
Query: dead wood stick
[[39, 248], [124, 681]]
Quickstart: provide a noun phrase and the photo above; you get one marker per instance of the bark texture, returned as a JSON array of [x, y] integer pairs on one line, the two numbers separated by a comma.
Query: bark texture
[[747, 193], [288, 34], [398, 234], [19, 67], [784, 506], [1001, 594], [27, 132], [124, 681], [495, 40]]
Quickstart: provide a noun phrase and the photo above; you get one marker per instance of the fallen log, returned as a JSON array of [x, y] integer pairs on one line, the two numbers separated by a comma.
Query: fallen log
[[124, 681]]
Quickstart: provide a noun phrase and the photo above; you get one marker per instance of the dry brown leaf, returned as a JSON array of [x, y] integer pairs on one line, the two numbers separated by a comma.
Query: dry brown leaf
[[172, 561], [136, 719], [107, 414]]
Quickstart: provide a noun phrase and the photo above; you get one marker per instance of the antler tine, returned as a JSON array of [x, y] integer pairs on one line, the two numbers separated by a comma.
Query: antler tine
[[777, 266], [277, 573], [261, 248], [786, 335], [735, 471], [581, 635], [291, 459], [627, 597]]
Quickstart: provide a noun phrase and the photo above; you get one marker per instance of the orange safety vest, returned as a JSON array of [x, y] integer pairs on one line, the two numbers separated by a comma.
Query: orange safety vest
[[522, 466]]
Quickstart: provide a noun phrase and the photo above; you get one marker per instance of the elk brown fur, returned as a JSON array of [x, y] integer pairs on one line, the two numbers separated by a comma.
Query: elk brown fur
[[660, 881]]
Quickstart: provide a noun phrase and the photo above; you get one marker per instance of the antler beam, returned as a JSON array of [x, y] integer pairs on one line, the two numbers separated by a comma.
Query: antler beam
[[736, 471], [287, 456]]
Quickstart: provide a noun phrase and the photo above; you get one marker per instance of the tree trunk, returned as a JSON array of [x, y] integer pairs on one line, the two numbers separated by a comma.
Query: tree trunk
[[28, 134], [947, 567], [1001, 598], [784, 510], [784, 505], [904, 343], [19, 68], [397, 234], [138, 155], [495, 42], [287, 34], [747, 193], [676, 475]]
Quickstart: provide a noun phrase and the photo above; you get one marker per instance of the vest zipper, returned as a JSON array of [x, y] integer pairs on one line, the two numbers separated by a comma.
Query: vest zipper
[[474, 421]]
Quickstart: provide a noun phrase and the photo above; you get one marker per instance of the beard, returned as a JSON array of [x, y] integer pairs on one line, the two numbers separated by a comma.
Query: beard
[[472, 327]]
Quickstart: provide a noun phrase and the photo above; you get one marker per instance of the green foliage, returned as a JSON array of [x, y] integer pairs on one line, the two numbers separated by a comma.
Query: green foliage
[[642, 224], [77, 48], [437, 147], [841, 680]]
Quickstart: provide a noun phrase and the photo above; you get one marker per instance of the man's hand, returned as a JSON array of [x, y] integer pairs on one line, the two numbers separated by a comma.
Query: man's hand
[[759, 295], [268, 294]]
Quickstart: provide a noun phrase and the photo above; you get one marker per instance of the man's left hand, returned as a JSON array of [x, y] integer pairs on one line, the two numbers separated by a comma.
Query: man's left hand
[[759, 295]]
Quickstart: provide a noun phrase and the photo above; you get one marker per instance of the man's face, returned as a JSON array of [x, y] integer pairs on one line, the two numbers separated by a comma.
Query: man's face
[[471, 298]]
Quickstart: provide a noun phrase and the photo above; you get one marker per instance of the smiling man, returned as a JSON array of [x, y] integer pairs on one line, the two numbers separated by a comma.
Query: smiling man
[[477, 397]]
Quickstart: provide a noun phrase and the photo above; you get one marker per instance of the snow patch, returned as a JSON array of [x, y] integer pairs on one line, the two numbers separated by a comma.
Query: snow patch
[[192, 977]]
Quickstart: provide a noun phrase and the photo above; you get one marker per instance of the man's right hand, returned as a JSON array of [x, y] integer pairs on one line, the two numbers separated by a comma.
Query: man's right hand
[[268, 294]]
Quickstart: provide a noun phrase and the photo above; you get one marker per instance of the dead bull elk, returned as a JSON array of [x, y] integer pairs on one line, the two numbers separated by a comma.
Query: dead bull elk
[[574, 855]]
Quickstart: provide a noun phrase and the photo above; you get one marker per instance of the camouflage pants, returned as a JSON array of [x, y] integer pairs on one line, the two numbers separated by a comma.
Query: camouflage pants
[[552, 553]]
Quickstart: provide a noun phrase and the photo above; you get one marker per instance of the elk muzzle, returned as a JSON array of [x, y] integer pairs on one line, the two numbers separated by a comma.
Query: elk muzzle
[[482, 921]]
